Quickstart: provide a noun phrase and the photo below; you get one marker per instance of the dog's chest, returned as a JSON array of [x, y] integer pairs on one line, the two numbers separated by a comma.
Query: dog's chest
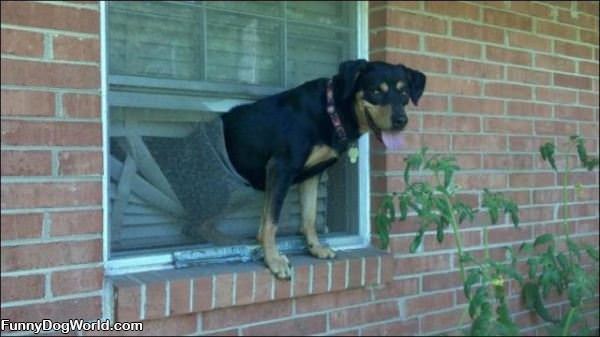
[[320, 154]]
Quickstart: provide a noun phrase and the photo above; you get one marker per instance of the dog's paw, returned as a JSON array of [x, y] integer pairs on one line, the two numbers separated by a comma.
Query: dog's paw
[[322, 252], [280, 266]]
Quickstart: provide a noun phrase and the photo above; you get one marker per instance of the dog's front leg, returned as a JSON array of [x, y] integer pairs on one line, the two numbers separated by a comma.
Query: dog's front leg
[[278, 181], [308, 190]]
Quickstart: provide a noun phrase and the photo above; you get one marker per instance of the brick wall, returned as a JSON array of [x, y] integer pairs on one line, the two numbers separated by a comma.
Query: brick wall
[[502, 78], [51, 162]]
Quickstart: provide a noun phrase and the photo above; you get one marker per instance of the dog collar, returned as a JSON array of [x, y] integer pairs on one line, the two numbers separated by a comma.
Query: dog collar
[[335, 119]]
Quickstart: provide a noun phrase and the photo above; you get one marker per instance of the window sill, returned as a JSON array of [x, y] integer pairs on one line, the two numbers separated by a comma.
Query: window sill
[[160, 294]]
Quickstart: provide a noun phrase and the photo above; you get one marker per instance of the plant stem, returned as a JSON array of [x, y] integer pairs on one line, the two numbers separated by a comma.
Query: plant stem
[[486, 249], [566, 328]]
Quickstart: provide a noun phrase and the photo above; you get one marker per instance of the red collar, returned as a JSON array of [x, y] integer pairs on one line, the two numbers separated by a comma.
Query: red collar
[[335, 119]]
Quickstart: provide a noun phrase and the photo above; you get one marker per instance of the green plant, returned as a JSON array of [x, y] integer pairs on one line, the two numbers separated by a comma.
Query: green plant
[[562, 271], [433, 199]]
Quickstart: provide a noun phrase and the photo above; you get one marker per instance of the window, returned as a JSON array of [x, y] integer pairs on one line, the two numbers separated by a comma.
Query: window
[[172, 65]]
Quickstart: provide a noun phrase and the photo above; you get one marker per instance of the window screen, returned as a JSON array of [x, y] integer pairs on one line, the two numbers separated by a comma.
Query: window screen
[[173, 65]]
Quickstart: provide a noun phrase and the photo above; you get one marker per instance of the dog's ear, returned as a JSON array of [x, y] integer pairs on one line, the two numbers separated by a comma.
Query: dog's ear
[[348, 73], [416, 84]]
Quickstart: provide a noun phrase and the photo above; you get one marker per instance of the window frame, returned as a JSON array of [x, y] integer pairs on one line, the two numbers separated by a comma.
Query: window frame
[[115, 265]]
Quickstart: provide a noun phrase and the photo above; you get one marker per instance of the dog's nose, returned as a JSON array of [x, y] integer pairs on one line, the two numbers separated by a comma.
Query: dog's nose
[[399, 122]]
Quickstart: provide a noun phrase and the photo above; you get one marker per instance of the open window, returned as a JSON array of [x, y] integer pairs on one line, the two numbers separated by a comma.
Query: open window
[[172, 65]]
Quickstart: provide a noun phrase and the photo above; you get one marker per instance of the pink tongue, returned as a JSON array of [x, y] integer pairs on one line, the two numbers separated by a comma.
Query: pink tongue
[[392, 140]]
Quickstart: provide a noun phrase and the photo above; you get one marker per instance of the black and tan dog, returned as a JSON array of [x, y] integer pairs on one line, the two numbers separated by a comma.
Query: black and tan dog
[[293, 136]]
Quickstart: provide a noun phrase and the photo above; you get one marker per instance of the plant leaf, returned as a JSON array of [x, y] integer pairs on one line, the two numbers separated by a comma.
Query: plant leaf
[[544, 238]]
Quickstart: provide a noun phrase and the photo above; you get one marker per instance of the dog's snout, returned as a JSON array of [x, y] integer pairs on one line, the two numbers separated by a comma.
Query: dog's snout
[[399, 121]]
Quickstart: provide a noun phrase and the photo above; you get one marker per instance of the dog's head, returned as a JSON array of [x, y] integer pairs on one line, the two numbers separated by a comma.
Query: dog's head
[[379, 92]]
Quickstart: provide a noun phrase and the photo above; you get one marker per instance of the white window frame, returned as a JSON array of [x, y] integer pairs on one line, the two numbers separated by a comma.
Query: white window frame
[[157, 261]]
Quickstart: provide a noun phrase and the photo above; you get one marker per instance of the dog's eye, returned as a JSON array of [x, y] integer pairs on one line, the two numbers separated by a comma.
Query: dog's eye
[[376, 92]]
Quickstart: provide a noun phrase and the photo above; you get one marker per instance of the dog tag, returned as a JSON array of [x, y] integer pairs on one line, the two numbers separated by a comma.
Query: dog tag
[[353, 154]]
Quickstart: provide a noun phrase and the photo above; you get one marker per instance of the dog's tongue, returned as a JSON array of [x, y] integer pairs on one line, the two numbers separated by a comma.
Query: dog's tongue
[[392, 140]]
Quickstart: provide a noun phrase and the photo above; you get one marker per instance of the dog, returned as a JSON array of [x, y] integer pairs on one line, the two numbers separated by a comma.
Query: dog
[[292, 137]]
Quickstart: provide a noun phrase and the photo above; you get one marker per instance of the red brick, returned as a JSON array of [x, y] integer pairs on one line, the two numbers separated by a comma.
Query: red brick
[[202, 296], [263, 286], [80, 163], [81, 105], [531, 9], [469, 161], [364, 314], [507, 162], [583, 178], [589, 36], [589, 68], [453, 86], [589, 130], [239, 315], [51, 194], [450, 124], [555, 128], [31, 73], [226, 332], [453, 9], [22, 43], [223, 290], [452, 47], [355, 273], [21, 226], [88, 308], [557, 30], [589, 7], [432, 103], [468, 239], [20, 288], [416, 61], [179, 297], [397, 328], [477, 32], [317, 303], [589, 99], [338, 275], [77, 281], [504, 55], [509, 234], [571, 49], [76, 222], [76, 49], [27, 103], [50, 254], [394, 4], [529, 41], [244, 284], [321, 277], [50, 16], [554, 63], [182, 325], [523, 75], [583, 21], [507, 90], [555, 95], [415, 265], [575, 82], [501, 125], [439, 281], [156, 295], [397, 288], [479, 143], [425, 303], [49, 134], [531, 179], [477, 69], [304, 326], [529, 109], [574, 113], [477, 106], [526, 144], [301, 280], [442, 320], [417, 22], [26, 163], [283, 288], [476, 181], [506, 19], [435, 142], [393, 39], [127, 301]]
